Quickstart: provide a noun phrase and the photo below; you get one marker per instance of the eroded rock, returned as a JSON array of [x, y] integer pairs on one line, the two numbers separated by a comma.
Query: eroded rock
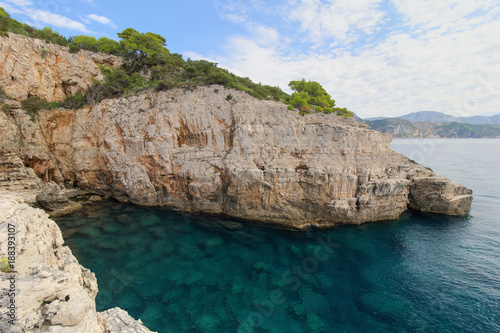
[[121, 322], [56, 200], [246, 158], [32, 67], [439, 195]]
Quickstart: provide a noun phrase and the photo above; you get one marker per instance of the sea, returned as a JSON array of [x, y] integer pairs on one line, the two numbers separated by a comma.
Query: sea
[[181, 272]]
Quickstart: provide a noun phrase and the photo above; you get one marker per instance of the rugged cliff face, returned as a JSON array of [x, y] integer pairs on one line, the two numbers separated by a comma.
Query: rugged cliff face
[[31, 67], [221, 151], [52, 292], [201, 151]]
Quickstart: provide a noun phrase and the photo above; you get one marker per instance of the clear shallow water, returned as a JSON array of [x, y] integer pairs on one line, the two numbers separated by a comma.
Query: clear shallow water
[[422, 273]]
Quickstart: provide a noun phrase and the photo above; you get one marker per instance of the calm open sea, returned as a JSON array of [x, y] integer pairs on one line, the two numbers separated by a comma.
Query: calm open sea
[[422, 273]]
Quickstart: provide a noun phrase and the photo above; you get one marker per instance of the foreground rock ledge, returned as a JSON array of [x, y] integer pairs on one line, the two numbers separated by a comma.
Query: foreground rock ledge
[[54, 293]]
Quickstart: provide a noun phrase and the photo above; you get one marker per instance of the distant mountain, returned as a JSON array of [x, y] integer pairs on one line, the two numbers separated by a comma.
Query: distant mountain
[[401, 128], [439, 117]]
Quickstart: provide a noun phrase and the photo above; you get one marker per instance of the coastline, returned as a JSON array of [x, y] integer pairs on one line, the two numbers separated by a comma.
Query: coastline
[[64, 296]]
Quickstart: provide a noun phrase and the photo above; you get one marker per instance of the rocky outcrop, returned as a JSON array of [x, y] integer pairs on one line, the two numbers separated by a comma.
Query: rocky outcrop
[[120, 322], [52, 292], [201, 151], [31, 67], [14, 176], [56, 200], [439, 195]]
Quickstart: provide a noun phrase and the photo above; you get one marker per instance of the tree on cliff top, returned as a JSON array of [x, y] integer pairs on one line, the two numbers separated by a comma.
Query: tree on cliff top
[[308, 95], [4, 21], [143, 49], [311, 96], [142, 44]]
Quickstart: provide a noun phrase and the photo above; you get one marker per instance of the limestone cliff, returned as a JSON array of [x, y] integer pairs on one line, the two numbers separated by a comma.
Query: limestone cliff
[[219, 151], [201, 151], [31, 67], [52, 292]]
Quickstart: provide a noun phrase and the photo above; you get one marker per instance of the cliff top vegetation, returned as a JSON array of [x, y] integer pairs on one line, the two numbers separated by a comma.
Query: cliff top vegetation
[[149, 65]]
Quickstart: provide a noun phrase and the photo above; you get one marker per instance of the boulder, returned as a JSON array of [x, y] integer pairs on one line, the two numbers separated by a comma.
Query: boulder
[[56, 200], [439, 195]]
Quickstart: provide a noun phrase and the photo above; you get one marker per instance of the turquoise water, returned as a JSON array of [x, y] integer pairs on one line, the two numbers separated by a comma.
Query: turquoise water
[[422, 273]]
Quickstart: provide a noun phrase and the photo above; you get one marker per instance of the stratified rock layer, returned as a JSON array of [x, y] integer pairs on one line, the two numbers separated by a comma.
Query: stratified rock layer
[[53, 293], [31, 67], [201, 151], [14, 176]]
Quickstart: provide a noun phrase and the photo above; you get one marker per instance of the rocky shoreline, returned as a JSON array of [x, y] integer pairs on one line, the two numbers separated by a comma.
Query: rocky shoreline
[[52, 291], [244, 158]]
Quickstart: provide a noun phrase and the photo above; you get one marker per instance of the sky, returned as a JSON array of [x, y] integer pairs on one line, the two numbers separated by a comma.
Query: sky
[[375, 57]]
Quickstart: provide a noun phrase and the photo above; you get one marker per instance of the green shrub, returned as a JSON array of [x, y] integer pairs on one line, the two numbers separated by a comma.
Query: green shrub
[[165, 84], [6, 109], [3, 94], [290, 107], [76, 101], [74, 48], [95, 93], [5, 266], [84, 42], [108, 45], [309, 94], [53, 105], [32, 105]]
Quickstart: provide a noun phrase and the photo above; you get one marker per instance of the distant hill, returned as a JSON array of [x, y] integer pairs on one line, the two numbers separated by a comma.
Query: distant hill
[[402, 128], [439, 117], [432, 124]]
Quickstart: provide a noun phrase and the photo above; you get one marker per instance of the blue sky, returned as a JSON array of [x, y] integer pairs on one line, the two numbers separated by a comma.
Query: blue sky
[[375, 57]]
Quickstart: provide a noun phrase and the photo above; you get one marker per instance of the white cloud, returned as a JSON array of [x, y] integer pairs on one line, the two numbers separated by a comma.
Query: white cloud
[[84, 19], [20, 3], [447, 14], [452, 67], [55, 20], [337, 20], [101, 19], [40, 16], [11, 9]]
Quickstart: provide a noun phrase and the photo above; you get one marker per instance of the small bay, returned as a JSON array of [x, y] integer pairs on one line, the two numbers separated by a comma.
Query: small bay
[[182, 272]]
